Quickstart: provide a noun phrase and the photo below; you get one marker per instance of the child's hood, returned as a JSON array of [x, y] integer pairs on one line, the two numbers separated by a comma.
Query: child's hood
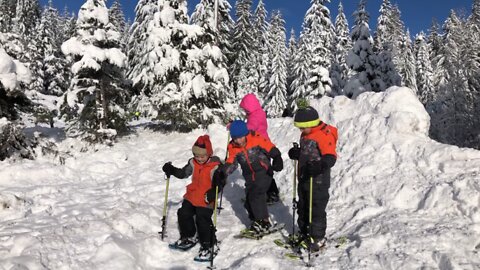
[[250, 103]]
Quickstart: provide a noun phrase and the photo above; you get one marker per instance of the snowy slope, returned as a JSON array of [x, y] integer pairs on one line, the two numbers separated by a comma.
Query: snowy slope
[[403, 200]]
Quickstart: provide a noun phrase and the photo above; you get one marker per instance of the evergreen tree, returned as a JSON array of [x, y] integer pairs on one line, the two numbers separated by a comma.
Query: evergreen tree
[[203, 16], [424, 70], [7, 14], [343, 44], [52, 62], [244, 73], [117, 18], [361, 58], [437, 57], [93, 104], [223, 31], [301, 73], [276, 101], [141, 66], [382, 35], [27, 16], [262, 49], [205, 74], [291, 53], [13, 75], [406, 65], [318, 34], [387, 43]]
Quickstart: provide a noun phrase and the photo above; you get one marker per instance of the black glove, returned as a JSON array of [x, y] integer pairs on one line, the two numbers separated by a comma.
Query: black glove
[[210, 195], [277, 163], [219, 179], [294, 152], [314, 168], [168, 168]]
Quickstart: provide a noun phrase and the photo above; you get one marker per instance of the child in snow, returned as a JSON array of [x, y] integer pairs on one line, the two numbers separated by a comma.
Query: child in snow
[[316, 155], [257, 121], [253, 152], [197, 206]]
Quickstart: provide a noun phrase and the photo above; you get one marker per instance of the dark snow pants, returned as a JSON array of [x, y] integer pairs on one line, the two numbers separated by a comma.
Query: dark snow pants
[[273, 189], [320, 199], [189, 216], [256, 195]]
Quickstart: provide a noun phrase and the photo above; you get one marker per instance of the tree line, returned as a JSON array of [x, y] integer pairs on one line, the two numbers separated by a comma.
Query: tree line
[[94, 69]]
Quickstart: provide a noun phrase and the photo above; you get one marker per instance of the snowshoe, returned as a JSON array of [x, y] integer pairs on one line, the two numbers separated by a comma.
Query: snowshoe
[[184, 244], [258, 230], [205, 254]]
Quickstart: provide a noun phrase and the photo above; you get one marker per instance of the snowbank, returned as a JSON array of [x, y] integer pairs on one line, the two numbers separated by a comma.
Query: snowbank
[[403, 200]]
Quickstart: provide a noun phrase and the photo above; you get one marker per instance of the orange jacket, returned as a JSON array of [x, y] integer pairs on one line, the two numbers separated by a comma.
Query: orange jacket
[[253, 157], [325, 142], [201, 180]]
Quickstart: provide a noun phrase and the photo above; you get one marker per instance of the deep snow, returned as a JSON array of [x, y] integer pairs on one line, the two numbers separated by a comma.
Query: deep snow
[[403, 200]]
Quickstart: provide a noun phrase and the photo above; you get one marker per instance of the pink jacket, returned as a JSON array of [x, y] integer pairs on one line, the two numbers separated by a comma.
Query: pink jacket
[[256, 116]]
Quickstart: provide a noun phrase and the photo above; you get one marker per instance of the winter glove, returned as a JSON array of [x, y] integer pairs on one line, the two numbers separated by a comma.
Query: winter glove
[[277, 164], [314, 168], [168, 168], [219, 178], [210, 195], [294, 152]]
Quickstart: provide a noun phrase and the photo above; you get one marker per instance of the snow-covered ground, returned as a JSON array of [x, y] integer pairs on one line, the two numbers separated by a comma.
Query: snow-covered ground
[[403, 200]]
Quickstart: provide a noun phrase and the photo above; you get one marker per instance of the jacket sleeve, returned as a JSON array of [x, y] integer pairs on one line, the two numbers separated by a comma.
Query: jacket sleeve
[[328, 161], [184, 172]]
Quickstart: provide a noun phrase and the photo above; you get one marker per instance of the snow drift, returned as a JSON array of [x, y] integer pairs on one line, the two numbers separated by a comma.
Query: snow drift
[[403, 200]]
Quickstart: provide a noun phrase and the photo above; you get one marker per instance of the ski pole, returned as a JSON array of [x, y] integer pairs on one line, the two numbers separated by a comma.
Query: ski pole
[[221, 192], [310, 220], [294, 200], [164, 218], [214, 229]]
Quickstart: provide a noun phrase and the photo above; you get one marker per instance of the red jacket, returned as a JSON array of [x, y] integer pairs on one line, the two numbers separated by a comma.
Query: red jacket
[[201, 179]]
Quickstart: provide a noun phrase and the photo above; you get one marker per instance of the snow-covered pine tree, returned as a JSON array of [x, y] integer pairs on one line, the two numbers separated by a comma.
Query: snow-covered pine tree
[[117, 18], [13, 75], [472, 66], [383, 33], [361, 58], [140, 47], [424, 70], [406, 65], [301, 73], [452, 121], [224, 29], [50, 63], [318, 32], [244, 75], [7, 14], [27, 16], [386, 43], [92, 106], [203, 16], [262, 49], [342, 44], [291, 53], [204, 76], [276, 102], [437, 56]]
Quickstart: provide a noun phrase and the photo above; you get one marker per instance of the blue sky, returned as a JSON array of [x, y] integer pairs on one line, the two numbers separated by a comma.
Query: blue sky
[[417, 14]]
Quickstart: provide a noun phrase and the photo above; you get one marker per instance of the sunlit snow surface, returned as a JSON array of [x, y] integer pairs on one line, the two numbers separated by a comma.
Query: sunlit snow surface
[[403, 200]]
